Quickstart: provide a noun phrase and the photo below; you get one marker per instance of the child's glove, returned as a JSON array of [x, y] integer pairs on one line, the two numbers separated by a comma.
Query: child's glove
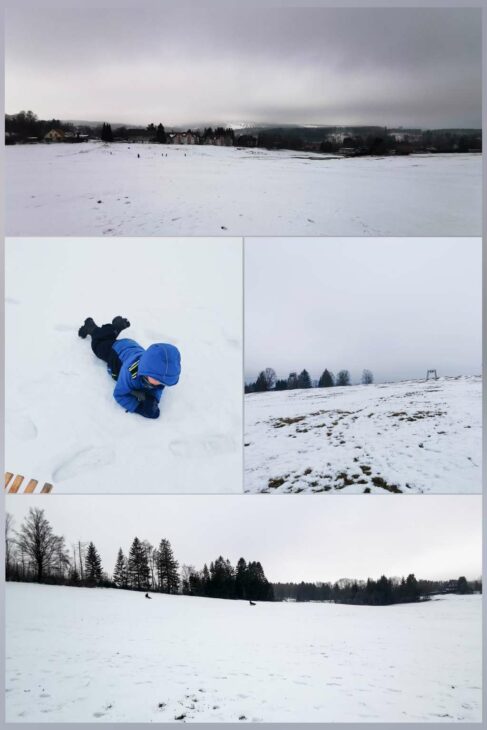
[[148, 407], [139, 394]]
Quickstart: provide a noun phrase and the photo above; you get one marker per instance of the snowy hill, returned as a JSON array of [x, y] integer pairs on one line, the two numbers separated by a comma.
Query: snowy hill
[[97, 189], [90, 655], [411, 436], [63, 425]]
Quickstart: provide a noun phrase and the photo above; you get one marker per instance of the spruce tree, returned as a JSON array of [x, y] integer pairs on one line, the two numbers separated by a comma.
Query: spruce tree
[[326, 380], [120, 575], [93, 572], [167, 568], [138, 567], [261, 383], [304, 381], [241, 579], [161, 134]]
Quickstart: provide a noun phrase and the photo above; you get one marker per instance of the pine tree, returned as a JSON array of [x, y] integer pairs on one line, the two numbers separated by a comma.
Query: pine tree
[[120, 575], [161, 134], [326, 380], [205, 580], [241, 579], [138, 567], [93, 572], [106, 133], [167, 568], [261, 383], [304, 381], [280, 385]]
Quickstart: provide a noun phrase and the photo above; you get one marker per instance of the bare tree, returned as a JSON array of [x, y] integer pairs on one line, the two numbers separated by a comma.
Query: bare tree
[[270, 378], [367, 377], [37, 540], [9, 542], [343, 378]]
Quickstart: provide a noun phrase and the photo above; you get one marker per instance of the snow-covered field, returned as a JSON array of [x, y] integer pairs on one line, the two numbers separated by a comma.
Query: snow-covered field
[[97, 189], [411, 436], [80, 654], [62, 423]]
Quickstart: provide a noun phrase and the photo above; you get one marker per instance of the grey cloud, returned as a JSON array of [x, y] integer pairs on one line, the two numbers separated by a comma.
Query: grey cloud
[[330, 66]]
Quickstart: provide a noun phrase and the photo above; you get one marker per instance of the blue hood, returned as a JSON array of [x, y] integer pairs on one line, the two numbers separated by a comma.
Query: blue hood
[[162, 362]]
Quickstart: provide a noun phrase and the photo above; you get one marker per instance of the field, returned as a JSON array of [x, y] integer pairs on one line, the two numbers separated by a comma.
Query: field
[[95, 189], [62, 423], [87, 655], [410, 436]]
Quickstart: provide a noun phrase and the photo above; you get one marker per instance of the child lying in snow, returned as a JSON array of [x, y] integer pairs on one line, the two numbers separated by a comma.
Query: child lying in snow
[[141, 375]]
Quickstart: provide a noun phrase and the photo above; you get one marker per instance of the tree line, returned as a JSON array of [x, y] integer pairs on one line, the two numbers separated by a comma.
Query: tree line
[[268, 380], [34, 553], [356, 141], [382, 592]]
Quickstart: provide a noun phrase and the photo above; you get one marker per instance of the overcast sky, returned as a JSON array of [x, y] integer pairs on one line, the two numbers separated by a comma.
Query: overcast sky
[[183, 64], [395, 306], [295, 538]]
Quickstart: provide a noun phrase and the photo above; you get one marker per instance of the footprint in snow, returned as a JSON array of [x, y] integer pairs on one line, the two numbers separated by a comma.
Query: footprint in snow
[[21, 426], [83, 461], [200, 447]]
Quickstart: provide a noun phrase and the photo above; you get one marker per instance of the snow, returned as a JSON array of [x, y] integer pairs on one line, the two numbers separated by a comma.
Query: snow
[[418, 436], [90, 655], [63, 425], [96, 189]]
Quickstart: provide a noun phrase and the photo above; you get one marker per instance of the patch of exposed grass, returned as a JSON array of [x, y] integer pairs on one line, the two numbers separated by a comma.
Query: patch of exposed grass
[[380, 482]]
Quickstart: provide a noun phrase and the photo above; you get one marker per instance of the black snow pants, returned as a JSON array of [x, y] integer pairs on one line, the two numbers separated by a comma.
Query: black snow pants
[[102, 339]]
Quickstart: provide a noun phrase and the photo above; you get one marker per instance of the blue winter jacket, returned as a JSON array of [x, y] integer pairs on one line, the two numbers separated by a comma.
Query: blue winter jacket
[[160, 361]]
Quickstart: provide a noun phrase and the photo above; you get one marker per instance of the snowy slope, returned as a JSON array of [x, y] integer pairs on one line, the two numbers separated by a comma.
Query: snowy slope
[[96, 189], [91, 655], [414, 436], [62, 422]]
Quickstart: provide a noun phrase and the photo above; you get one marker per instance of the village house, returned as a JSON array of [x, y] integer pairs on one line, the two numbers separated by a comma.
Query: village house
[[54, 135]]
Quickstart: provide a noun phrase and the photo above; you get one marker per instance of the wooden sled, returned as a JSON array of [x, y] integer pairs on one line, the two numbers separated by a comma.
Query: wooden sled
[[13, 484]]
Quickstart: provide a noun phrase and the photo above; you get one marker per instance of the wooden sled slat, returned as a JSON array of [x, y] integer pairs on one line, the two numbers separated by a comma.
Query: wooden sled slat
[[16, 484], [31, 486], [13, 487]]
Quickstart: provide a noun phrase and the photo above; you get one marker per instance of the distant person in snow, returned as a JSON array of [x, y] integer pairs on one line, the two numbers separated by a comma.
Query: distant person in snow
[[149, 597], [141, 375]]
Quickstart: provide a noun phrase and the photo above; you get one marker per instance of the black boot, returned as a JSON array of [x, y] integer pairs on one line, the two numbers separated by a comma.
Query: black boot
[[120, 323], [88, 328]]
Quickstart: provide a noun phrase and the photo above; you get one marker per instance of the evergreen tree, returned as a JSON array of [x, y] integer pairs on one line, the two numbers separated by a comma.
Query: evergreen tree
[[138, 567], [120, 574], [463, 586], [106, 133], [280, 385], [93, 572], [241, 579], [167, 568], [412, 591], [205, 580], [261, 383], [161, 134], [222, 579], [304, 381], [343, 378], [326, 380]]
